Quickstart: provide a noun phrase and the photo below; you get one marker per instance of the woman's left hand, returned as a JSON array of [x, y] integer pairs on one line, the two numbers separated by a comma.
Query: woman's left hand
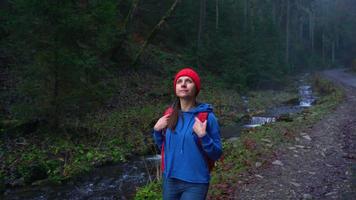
[[199, 127]]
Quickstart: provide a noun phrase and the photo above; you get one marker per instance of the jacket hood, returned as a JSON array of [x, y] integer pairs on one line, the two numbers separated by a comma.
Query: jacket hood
[[201, 107], [189, 120]]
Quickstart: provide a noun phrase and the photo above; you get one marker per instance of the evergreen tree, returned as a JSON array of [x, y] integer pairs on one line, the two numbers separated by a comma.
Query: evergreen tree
[[60, 44]]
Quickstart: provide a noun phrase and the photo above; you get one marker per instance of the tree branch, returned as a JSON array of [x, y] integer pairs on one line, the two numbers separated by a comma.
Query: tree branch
[[154, 31]]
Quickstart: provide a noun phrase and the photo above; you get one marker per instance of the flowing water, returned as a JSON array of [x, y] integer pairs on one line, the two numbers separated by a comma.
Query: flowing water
[[120, 181], [105, 183], [306, 99], [306, 96]]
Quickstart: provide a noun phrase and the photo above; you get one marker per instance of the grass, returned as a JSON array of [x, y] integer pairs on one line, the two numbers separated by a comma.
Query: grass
[[258, 145], [110, 137], [113, 134], [116, 134]]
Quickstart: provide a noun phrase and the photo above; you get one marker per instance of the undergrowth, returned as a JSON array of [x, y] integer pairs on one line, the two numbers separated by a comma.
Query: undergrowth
[[256, 147]]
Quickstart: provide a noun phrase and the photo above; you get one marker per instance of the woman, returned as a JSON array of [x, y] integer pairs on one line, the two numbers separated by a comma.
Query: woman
[[188, 142]]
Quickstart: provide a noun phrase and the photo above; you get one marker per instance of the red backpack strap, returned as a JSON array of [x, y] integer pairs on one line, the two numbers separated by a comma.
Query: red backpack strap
[[211, 163], [168, 111], [202, 116]]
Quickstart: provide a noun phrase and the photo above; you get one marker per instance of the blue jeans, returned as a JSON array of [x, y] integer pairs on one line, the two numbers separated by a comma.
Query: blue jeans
[[175, 189]]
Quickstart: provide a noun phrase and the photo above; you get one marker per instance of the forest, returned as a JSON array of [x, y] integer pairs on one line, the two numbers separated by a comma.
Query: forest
[[83, 82]]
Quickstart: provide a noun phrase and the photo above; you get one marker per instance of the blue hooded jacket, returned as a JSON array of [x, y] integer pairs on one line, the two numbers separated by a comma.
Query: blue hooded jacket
[[184, 157]]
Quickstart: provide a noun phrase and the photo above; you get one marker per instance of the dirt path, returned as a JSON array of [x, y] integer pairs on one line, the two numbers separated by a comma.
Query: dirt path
[[322, 162]]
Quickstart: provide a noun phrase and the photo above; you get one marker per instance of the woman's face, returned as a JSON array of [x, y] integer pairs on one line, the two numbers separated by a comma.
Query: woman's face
[[185, 87]]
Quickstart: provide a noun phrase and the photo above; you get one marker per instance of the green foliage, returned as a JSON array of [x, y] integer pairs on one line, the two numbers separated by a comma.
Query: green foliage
[[242, 154], [127, 128], [258, 145], [322, 86], [61, 50], [61, 160], [242, 57], [152, 191], [33, 164], [227, 103], [262, 99], [68, 66]]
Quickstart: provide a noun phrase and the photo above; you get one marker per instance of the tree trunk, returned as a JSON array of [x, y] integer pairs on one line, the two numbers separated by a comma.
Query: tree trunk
[[287, 33], [217, 15], [301, 28], [55, 114], [300, 21], [311, 29], [129, 14], [222, 5], [246, 14], [337, 40], [252, 13], [274, 12], [280, 17], [124, 28], [83, 4], [311, 24], [200, 28], [333, 52], [154, 31], [323, 45]]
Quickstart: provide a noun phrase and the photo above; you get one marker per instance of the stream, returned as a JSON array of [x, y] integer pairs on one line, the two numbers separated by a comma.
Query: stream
[[120, 181], [306, 99], [111, 182]]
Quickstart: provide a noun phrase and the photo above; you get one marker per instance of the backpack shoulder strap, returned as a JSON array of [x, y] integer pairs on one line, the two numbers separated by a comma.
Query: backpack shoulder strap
[[168, 111], [202, 116]]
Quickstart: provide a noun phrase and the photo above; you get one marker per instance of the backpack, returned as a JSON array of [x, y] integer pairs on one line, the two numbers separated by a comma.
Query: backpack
[[202, 116]]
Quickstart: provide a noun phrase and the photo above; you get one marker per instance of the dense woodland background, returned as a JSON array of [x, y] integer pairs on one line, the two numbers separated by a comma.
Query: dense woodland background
[[103, 69]]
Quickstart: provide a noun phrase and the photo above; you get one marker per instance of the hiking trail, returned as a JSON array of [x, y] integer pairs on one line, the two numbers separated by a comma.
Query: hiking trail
[[321, 163]]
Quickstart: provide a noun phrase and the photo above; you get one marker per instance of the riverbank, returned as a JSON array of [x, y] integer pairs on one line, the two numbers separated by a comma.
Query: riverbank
[[319, 166], [260, 149], [230, 108], [255, 149], [36, 157]]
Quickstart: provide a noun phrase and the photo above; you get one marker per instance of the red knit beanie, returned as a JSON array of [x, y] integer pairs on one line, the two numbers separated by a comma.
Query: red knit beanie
[[190, 73]]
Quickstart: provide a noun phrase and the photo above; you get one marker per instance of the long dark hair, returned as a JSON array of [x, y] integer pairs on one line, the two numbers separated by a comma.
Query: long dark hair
[[173, 119]]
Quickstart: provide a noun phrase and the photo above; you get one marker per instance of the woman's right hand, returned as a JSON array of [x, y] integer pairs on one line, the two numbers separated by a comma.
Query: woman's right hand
[[161, 123]]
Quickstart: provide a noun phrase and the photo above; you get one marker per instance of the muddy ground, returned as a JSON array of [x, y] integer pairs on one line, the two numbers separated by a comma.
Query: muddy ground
[[320, 164]]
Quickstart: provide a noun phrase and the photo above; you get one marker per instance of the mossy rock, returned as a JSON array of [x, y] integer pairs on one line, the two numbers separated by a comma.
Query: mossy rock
[[285, 118], [293, 101]]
